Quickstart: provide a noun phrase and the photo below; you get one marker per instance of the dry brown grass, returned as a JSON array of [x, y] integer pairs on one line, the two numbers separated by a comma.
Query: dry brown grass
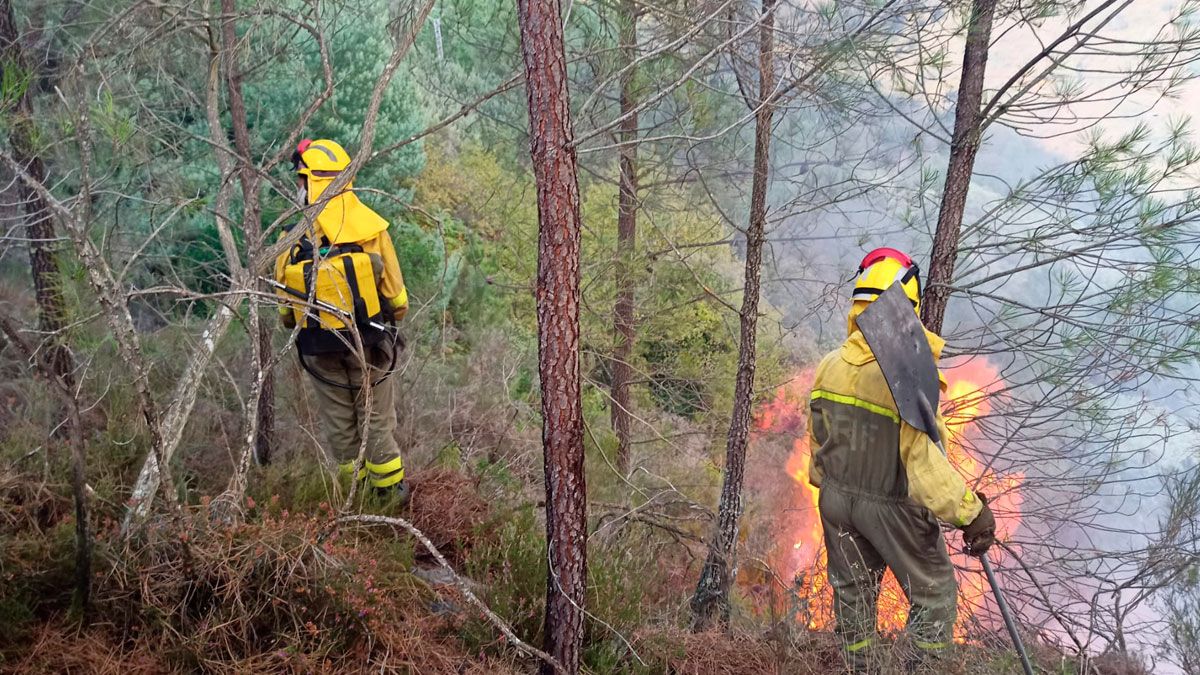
[[446, 506], [681, 652], [283, 593], [36, 551], [28, 505], [62, 649], [1120, 664], [280, 594], [412, 648], [214, 596]]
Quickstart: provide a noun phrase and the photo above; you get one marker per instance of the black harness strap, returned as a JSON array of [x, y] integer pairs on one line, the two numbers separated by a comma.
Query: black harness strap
[[913, 271], [360, 309], [313, 320], [397, 345], [868, 289]]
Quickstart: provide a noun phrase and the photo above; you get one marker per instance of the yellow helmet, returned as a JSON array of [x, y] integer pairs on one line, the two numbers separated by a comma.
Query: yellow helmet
[[344, 219], [319, 159], [883, 267]]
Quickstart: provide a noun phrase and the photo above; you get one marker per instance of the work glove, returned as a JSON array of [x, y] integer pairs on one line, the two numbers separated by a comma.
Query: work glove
[[980, 534], [399, 312]]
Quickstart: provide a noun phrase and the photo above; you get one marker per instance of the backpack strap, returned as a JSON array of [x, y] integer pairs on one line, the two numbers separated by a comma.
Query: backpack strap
[[313, 320], [360, 309]]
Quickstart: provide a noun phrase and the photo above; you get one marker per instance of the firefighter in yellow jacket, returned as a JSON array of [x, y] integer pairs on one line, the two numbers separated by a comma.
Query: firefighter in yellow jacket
[[884, 487], [347, 262]]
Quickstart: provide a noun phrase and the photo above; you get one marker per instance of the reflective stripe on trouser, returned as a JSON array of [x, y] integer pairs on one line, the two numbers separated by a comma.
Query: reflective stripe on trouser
[[381, 475], [867, 535], [340, 411]]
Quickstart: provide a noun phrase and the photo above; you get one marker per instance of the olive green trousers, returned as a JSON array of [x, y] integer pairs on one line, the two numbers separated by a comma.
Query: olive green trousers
[[865, 535], [341, 411]]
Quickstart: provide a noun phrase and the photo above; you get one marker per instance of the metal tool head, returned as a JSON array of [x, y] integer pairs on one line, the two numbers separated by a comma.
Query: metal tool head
[[897, 340]]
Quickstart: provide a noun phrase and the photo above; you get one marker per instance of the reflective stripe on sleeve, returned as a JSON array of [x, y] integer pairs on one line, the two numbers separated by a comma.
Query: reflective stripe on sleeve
[[401, 300], [857, 403], [968, 499]]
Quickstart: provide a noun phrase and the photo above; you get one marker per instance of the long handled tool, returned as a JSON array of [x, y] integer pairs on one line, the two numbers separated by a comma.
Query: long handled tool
[[1009, 622], [1004, 611], [898, 342], [324, 306]]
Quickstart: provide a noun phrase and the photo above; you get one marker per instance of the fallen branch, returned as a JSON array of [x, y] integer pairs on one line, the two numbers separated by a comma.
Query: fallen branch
[[462, 586]]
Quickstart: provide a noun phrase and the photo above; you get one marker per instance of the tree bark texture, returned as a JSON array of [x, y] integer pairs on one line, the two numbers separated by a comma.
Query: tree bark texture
[[252, 225], [963, 147], [710, 603], [554, 166], [39, 225], [52, 357], [265, 437], [624, 325]]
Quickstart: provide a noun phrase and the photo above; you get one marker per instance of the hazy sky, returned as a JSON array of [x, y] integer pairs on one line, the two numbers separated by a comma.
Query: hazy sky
[[1141, 21]]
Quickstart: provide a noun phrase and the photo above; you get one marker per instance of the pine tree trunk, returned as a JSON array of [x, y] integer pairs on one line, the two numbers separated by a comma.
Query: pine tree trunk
[[963, 148], [55, 359], [265, 437], [710, 603], [554, 166], [627, 205], [39, 226]]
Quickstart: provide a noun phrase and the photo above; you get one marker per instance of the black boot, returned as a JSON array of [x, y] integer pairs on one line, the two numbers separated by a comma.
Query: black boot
[[394, 496]]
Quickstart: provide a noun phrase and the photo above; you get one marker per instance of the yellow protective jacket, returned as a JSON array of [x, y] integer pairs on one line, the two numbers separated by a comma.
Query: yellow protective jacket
[[346, 220], [860, 444]]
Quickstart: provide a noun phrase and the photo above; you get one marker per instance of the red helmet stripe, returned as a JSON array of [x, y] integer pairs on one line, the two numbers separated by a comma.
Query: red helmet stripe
[[882, 253]]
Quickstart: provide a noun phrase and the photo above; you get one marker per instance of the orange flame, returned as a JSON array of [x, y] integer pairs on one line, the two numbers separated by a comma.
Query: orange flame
[[972, 384]]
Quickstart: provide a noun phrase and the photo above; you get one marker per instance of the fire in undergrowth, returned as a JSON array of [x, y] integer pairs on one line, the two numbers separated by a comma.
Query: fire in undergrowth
[[801, 551]]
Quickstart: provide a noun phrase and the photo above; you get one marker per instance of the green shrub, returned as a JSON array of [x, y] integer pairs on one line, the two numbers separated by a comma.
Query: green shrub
[[512, 569]]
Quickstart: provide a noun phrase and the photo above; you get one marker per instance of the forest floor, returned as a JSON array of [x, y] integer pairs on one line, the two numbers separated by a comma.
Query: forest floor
[[285, 591]]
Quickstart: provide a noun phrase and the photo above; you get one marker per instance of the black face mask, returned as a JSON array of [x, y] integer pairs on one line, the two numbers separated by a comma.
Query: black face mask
[[297, 163]]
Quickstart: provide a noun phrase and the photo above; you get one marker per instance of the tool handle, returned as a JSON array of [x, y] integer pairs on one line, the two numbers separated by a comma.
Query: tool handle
[[931, 429], [927, 416], [317, 303], [1009, 623]]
